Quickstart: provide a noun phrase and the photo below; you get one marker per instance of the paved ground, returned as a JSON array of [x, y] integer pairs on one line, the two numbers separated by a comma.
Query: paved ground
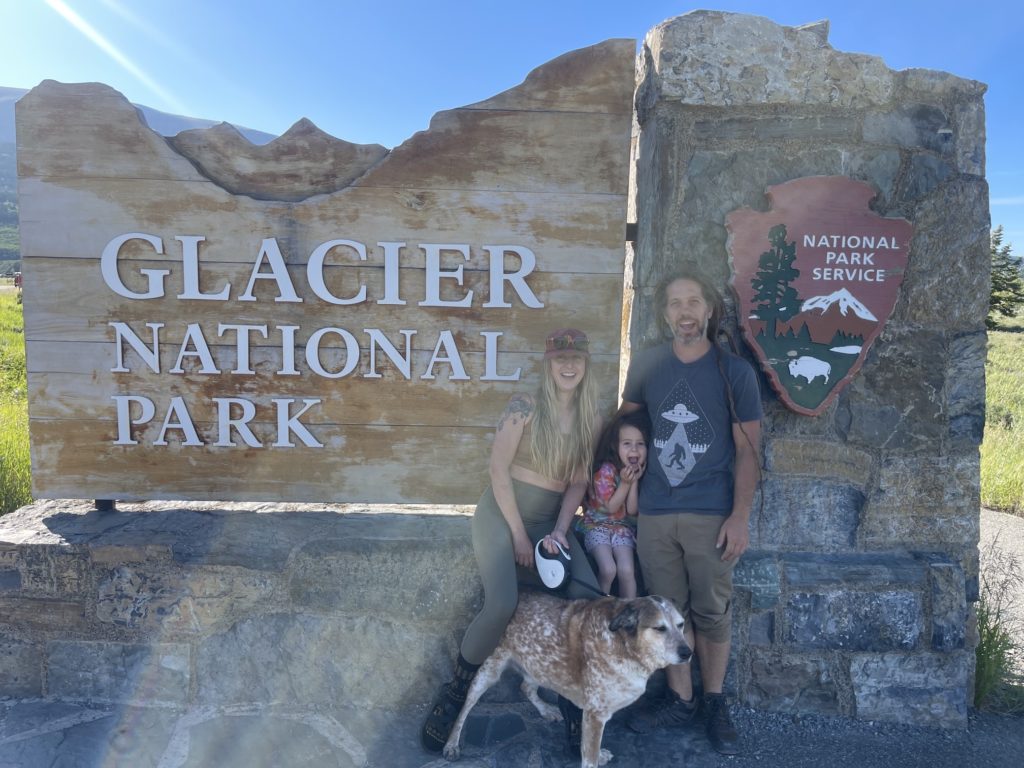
[[38, 734], [48, 734]]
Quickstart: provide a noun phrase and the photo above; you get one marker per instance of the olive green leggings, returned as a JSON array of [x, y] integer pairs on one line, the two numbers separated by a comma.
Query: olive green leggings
[[492, 545]]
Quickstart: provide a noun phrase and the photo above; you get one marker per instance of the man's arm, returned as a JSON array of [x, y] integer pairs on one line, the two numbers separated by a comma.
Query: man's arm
[[735, 531]]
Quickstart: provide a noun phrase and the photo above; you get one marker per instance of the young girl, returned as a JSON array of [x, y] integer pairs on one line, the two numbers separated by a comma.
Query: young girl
[[609, 511]]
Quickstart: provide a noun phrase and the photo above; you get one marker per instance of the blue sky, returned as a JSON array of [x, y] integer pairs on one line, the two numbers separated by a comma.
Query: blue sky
[[375, 72]]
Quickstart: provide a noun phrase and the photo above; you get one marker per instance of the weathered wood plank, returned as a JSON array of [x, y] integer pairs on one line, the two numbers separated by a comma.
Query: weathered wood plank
[[541, 167], [571, 152], [580, 80], [90, 130], [566, 232], [356, 399], [567, 151], [357, 464], [70, 301]]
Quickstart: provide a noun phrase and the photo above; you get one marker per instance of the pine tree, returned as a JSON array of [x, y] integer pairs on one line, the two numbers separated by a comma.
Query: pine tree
[[1007, 281], [804, 335], [778, 300]]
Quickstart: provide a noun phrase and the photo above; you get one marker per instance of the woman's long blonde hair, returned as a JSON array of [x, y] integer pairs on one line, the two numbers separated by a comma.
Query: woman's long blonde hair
[[565, 457]]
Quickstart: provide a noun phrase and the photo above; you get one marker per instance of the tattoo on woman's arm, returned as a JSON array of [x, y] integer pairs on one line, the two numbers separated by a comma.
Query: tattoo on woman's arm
[[519, 407]]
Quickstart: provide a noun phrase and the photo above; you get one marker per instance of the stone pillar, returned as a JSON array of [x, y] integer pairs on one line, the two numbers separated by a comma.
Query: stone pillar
[[855, 597]]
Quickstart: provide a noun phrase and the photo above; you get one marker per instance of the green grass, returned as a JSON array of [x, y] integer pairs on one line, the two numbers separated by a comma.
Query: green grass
[[999, 655], [1002, 452], [15, 481]]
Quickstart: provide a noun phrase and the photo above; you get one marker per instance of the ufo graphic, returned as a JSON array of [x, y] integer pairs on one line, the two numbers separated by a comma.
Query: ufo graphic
[[680, 414]]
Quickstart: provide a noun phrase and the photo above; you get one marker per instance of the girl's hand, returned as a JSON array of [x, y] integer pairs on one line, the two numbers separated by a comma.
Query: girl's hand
[[630, 473], [522, 548]]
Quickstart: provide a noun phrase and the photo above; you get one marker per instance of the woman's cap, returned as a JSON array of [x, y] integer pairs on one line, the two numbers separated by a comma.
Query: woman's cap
[[566, 340]]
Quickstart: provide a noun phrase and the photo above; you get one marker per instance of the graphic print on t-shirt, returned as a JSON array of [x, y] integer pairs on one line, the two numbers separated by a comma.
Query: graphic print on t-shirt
[[682, 433]]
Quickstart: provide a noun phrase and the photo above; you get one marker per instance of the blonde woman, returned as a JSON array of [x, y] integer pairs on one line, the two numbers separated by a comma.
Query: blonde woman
[[539, 470]]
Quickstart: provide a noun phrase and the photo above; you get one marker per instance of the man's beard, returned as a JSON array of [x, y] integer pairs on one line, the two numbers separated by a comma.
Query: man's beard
[[701, 334]]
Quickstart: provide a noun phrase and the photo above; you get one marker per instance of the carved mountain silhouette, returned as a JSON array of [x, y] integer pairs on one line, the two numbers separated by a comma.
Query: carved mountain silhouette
[[825, 315]]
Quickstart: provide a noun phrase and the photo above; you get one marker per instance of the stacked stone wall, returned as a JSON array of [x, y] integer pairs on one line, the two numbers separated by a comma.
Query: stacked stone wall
[[855, 598], [180, 605]]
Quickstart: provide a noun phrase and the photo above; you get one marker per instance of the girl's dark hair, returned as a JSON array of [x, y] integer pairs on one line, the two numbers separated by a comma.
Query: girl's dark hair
[[608, 445]]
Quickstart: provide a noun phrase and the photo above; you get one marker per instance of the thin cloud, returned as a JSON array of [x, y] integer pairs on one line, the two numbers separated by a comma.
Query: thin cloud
[[94, 36], [1017, 200]]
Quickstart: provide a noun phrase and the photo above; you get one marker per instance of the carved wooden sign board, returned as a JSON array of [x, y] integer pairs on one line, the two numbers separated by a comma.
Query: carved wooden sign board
[[312, 320], [816, 278]]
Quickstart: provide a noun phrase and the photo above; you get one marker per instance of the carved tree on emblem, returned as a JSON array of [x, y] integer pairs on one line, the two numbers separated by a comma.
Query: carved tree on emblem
[[775, 296]]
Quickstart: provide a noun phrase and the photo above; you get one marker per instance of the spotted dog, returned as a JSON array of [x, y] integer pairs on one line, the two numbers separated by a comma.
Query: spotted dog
[[596, 653]]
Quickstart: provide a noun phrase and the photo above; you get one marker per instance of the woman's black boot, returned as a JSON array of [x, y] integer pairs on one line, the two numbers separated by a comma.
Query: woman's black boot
[[572, 717], [446, 708]]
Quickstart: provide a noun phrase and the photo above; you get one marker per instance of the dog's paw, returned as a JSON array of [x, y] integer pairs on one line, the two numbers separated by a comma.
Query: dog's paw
[[451, 752], [604, 757], [550, 713]]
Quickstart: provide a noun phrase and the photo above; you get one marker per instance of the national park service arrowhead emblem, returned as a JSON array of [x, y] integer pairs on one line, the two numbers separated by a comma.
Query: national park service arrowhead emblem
[[816, 277]]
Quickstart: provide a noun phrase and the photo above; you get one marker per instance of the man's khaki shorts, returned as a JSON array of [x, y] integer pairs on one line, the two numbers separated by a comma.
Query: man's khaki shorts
[[680, 561]]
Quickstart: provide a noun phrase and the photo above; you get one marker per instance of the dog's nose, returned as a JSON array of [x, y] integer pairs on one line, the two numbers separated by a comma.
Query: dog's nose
[[685, 653]]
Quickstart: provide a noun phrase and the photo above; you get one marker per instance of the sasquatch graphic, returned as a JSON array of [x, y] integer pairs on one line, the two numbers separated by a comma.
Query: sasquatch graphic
[[681, 433]]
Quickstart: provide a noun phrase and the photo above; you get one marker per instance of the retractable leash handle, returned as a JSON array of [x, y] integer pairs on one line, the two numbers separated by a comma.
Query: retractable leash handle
[[554, 569]]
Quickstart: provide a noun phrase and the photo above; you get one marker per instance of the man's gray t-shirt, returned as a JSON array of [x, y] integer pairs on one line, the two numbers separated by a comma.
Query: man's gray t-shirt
[[691, 456]]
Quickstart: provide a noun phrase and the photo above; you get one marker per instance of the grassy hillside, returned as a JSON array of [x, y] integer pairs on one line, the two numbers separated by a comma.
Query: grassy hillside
[[14, 457], [9, 246], [1002, 452]]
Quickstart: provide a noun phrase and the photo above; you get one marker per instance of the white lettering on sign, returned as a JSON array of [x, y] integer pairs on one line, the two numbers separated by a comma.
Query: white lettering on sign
[[108, 267], [877, 242], [856, 251], [330, 352], [269, 267], [178, 419], [195, 345], [831, 257], [859, 275]]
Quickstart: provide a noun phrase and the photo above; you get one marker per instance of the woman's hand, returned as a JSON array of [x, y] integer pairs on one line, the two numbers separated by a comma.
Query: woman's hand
[[522, 548], [551, 538]]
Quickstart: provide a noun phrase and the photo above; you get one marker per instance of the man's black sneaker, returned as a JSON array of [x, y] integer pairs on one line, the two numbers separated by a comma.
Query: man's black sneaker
[[668, 710], [721, 732]]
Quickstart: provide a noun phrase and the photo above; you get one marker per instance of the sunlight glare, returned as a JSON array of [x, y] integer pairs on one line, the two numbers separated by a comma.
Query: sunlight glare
[[80, 24]]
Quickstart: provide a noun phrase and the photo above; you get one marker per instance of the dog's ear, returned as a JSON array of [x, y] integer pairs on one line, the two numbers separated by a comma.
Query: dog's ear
[[627, 618]]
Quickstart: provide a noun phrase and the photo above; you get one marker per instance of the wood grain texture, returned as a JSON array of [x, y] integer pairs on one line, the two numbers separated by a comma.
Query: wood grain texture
[[541, 167]]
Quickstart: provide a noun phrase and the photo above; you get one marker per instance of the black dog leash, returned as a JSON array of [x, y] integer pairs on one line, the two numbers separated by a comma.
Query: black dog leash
[[589, 586]]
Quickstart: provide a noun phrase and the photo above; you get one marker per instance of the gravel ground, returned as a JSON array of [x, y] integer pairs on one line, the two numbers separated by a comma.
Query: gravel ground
[[806, 742], [768, 740]]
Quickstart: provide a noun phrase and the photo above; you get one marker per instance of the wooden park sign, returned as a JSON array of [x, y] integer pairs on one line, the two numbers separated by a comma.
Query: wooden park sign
[[311, 320], [816, 277]]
